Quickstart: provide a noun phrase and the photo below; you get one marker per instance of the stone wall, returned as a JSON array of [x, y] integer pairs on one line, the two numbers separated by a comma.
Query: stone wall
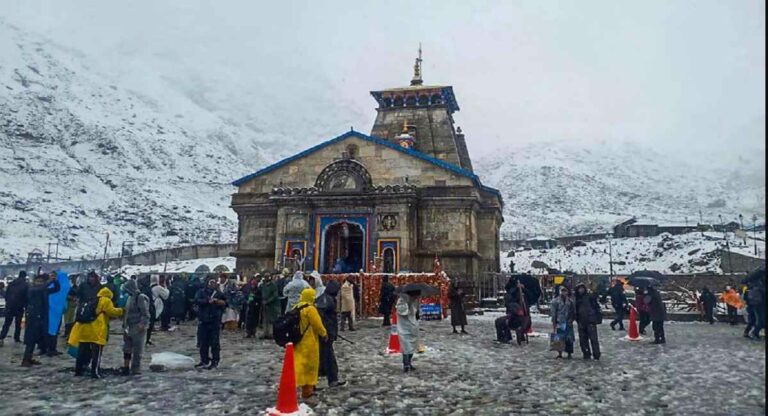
[[739, 263]]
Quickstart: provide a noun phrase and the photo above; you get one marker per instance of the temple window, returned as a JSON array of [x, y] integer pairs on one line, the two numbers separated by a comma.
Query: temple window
[[352, 151], [437, 99], [410, 101], [423, 100], [398, 101]]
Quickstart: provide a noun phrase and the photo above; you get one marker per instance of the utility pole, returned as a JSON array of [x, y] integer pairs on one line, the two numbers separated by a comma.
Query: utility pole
[[727, 246], [610, 255], [106, 245], [48, 260], [754, 231], [701, 222], [741, 224], [167, 248], [56, 257]]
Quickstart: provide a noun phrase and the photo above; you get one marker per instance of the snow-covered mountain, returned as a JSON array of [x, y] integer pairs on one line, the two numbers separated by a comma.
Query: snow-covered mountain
[[566, 188], [81, 154], [147, 154]]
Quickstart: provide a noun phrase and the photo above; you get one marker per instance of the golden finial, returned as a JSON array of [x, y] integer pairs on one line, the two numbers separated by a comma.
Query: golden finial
[[405, 126], [417, 70]]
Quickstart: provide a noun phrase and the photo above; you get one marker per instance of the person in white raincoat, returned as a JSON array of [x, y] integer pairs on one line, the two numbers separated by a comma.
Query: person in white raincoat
[[293, 289], [407, 326], [318, 285]]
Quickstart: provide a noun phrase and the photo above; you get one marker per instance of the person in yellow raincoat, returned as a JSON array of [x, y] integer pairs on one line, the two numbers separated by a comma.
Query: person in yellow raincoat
[[733, 303], [306, 353], [91, 337]]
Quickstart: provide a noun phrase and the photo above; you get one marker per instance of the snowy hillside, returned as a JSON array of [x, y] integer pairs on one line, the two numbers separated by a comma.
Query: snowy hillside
[[82, 155], [561, 188], [681, 254], [146, 152]]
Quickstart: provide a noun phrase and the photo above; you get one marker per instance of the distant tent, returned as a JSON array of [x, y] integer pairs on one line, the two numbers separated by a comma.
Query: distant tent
[[202, 269], [221, 269]]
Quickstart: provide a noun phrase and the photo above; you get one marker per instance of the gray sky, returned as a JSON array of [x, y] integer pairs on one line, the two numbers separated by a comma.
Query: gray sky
[[675, 74]]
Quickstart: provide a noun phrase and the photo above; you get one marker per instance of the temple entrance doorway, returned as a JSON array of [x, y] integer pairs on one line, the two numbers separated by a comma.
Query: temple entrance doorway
[[343, 248]]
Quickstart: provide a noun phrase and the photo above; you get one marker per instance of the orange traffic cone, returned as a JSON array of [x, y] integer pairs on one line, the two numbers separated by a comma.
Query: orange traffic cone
[[394, 340], [287, 402], [633, 335]]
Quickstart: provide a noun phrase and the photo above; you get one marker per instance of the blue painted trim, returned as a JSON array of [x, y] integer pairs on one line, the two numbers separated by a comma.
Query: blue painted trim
[[437, 162]]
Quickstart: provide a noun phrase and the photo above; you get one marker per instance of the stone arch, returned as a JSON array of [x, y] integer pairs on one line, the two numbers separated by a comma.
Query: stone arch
[[344, 176]]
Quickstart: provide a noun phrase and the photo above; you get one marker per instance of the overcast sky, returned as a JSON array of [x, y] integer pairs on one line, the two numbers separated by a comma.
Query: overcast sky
[[679, 74]]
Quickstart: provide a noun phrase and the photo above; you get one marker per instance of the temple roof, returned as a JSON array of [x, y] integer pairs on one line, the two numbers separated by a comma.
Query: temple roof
[[414, 153]]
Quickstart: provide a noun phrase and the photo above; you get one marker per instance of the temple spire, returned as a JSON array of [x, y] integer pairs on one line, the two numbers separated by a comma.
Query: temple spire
[[417, 70]]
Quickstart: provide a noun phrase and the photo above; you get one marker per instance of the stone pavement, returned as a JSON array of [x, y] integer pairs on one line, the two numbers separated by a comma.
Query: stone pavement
[[702, 370]]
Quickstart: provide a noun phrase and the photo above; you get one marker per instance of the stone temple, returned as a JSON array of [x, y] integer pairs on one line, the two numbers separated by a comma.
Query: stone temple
[[386, 202]]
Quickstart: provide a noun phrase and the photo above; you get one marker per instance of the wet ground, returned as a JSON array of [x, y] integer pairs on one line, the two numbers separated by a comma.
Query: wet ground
[[702, 370]]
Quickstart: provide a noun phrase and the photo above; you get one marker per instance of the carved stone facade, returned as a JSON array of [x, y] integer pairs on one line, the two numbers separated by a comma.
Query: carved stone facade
[[356, 200]]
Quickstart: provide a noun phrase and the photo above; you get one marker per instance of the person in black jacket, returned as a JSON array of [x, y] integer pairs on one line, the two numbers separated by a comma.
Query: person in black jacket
[[619, 303], [708, 301], [386, 299], [15, 302], [192, 287], [36, 330], [90, 288], [588, 315], [211, 303], [326, 307], [658, 314], [281, 283], [253, 307], [456, 303]]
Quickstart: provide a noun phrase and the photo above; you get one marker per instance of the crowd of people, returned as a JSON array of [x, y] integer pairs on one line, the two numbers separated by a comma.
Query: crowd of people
[[267, 303]]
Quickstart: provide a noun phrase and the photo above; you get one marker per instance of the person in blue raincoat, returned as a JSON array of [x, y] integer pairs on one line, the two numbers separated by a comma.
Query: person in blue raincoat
[[57, 302]]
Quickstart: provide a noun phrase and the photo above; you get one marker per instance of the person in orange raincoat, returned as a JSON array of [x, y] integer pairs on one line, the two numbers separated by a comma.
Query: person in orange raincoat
[[733, 303], [91, 337], [306, 353]]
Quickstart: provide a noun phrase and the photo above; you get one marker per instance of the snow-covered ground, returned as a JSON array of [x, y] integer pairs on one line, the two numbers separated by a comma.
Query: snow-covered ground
[[185, 266], [702, 370], [686, 253]]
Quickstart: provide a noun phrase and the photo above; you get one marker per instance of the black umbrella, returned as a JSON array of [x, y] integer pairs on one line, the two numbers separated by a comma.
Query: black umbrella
[[531, 285], [642, 281], [423, 289]]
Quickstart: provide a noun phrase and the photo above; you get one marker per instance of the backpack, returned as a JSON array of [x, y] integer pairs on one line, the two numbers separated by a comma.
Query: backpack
[[147, 291], [86, 311], [133, 316], [286, 328]]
